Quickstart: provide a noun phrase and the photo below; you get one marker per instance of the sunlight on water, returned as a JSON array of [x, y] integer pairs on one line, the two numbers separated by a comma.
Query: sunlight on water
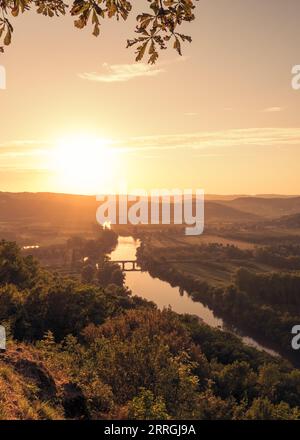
[[160, 292]]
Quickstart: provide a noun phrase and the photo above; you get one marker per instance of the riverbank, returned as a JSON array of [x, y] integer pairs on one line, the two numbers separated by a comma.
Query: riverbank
[[258, 325], [167, 293]]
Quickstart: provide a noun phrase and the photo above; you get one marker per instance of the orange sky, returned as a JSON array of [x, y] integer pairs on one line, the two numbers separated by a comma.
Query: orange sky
[[223, 118]]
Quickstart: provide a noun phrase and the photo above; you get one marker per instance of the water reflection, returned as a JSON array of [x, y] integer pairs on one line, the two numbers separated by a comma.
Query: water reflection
[[164, 295]]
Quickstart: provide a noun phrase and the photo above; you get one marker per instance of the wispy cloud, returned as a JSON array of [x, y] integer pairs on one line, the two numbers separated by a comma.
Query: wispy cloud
[[113, 73], [25, 147], [122, 72], [210, 142], [191, 114], [273, 109], [259, 137]]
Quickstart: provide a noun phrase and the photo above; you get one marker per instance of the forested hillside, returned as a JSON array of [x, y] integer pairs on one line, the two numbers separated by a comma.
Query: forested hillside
[[87, 351]]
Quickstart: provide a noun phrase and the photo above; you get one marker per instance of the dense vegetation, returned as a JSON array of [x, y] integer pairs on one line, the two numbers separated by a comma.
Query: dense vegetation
[[79, 350], [263, 300]]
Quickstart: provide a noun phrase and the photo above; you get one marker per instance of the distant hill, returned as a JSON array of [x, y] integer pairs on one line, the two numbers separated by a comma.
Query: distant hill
[[218, 212], [287, 221], [47, 207], [227, 197], [265, 207], [223, 197], [62, 209]]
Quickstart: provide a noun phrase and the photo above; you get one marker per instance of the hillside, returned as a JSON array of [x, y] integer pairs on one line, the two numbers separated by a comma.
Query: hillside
[[66, 209], [92, 350], [28, 390], [287, 221], [266, 207], [47, 207], [218, 212]]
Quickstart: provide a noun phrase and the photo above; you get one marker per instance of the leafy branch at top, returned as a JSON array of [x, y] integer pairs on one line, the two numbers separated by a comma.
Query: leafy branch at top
[[155, 29]]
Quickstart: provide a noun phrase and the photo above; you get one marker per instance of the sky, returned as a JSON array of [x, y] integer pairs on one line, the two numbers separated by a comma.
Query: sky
[[79, 115]]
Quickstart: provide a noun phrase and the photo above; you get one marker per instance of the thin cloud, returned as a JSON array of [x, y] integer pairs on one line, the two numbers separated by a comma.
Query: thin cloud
[[121, 72], [126, 72], [191, 114], [259, 137], [207, 141], [273, 110], [24, 147]]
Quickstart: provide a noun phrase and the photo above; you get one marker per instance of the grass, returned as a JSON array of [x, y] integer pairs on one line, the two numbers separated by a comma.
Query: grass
[[19, 396]]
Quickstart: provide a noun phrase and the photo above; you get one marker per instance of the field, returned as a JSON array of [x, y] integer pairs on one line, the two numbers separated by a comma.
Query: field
[[209, 257]]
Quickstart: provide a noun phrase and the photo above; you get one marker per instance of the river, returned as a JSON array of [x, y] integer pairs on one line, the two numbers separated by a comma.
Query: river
[[164, 295]]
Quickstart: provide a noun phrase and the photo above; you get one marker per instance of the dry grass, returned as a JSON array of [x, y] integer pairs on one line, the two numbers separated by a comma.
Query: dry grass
[[19, 395]]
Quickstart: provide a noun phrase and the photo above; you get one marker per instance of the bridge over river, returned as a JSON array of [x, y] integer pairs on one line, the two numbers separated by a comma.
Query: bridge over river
[[128, 265], [133, 266]]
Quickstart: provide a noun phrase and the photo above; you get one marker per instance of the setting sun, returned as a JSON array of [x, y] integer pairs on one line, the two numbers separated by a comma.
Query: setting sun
[[85, 164]]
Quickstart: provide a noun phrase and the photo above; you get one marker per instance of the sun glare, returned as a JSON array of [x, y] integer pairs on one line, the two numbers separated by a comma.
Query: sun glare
[[85, 164]]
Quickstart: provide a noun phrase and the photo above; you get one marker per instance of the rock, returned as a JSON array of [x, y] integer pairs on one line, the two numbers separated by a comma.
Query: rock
[[74, 401], [39, 375]]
